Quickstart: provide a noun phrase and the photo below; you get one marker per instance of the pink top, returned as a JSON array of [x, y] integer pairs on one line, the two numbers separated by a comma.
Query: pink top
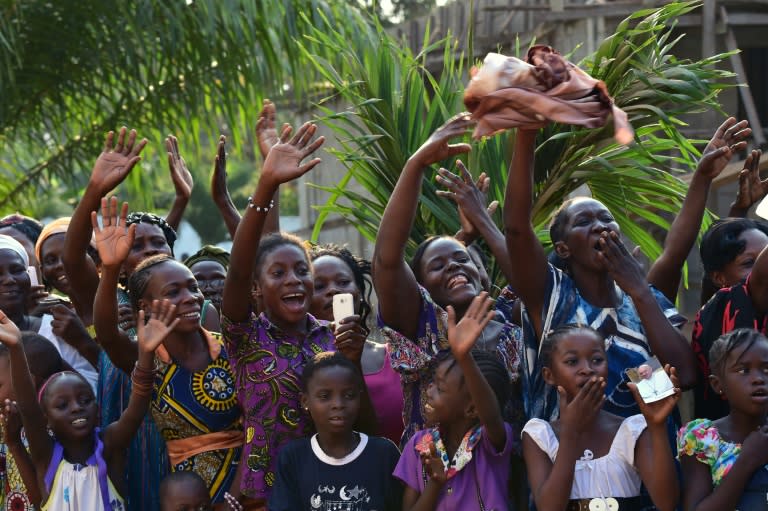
[[387, 397]]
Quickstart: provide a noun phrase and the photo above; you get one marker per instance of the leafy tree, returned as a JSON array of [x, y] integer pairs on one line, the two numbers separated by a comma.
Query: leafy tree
[[397, 103]]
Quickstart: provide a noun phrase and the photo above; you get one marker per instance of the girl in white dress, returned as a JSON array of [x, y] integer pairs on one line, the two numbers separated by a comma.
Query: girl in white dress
[[590, 459]]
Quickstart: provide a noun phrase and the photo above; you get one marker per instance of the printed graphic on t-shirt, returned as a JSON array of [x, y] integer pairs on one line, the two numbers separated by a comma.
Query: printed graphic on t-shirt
[[330, 498]]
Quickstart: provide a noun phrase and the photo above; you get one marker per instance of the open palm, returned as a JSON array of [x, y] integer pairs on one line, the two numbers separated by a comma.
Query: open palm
[[115, 162], [114, 238], [161, 322], [462, 335], [283, 163]]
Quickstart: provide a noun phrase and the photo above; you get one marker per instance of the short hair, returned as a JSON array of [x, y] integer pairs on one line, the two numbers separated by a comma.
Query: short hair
[[721, 244], [557, 227], [150, 218], [327, 359], [361, 270], [418, 255], [551, 338], [139, 279], [726, 343], [272, 242], [42, 356], [180, 477]]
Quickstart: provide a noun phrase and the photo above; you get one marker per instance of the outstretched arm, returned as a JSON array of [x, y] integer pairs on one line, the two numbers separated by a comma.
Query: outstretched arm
[[667, 269], [40, 443], [163, 319], [283, 164], [182, 182], [113, 240], [112, 166], [396, 286], [523, 246], [462, 338]]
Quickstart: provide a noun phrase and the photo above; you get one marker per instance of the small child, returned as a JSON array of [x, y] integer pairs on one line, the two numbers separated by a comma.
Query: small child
[[462, 462], [337, 468], [184, 491], [716, 476], [590, 458], [77, 465]]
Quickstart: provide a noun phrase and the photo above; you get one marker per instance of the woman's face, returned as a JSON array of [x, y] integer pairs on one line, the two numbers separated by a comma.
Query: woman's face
[[14, 283], [149, 241], [51, 263], [586, 221], [173, 281], [448, 273], [332, 276], [738, 269], [285, 287]]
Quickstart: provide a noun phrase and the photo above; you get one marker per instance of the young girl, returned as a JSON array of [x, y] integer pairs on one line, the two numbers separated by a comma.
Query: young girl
[[336, 468], [336, 271], [193, 396], [462, 462], [715, 474], [80, 467], [590, 458], [269, 351]]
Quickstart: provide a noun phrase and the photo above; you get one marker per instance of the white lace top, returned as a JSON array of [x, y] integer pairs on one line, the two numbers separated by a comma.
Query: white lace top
[[612, 475]]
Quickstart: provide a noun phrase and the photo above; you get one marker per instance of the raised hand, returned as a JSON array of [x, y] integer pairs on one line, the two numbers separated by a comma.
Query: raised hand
[[728, 138], [462, 335], [114, 163], [219, 190], [470, 196], [266, 133], [437, 148], [9, 332], [585, 405], [162, 320], [623, 267], [350, 338], [283, 163], [180, 175], [656, 413], [114, 238], [11, 420], [751, 187]]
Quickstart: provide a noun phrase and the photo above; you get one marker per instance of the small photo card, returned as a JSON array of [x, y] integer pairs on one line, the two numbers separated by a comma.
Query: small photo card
[[652, 381]]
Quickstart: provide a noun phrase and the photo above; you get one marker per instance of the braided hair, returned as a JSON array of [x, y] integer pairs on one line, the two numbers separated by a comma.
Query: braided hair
[[137, 217], [25, 225], [550, 340], [139, 279], [726, 343]]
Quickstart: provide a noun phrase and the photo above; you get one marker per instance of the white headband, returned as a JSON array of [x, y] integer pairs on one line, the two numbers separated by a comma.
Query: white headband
[[12, 244]]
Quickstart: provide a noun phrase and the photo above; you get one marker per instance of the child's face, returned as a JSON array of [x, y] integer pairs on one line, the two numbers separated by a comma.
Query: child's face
[[186, 495], [173, 281], [447, 397], [745, 378], [6, 385], [70, 407], [333, 399], [285, 286], [575, 360], [332, 276]]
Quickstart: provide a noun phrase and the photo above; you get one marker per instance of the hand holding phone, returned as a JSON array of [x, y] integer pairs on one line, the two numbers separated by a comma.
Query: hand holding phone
[[32, 272], [343, 306]]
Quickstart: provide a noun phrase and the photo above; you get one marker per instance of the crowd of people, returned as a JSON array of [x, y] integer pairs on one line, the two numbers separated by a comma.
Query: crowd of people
[[130, 380]]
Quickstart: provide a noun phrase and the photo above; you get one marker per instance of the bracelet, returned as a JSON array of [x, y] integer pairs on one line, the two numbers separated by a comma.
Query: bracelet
[[142, 380], [261, 209]]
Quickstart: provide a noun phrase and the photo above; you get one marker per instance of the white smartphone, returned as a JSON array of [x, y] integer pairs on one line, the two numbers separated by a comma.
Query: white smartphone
[[343, 306], [32, 272]]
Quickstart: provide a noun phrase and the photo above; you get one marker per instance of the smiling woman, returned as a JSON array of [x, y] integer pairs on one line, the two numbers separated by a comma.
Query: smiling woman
[[413, 298]]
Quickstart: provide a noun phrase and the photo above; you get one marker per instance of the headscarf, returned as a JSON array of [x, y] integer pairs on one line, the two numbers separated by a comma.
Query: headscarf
[[11, 244], [58, 226], [209, 253]]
